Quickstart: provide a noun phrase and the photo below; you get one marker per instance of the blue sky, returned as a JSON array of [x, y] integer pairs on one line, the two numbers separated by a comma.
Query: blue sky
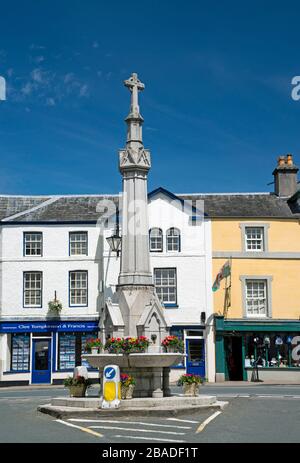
[[217, 104]]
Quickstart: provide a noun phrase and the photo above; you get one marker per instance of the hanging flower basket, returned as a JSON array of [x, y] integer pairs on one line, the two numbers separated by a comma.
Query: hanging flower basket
[[173, 344], [55, 306]]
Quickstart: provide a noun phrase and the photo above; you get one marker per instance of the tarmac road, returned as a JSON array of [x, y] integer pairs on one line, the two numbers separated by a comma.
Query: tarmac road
[[257, 413]]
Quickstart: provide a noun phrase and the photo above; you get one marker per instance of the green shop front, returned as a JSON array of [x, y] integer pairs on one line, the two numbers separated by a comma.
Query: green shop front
[[270, 348]]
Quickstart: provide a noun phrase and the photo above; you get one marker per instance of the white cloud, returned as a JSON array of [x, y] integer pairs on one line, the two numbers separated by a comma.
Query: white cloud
[[84, 90], [69, 77], [27, 89], [39, 59], [37, 75], [34, 46], [50, 102]]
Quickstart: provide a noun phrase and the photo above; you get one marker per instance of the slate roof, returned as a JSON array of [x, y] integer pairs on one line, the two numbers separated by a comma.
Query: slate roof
[[10, 205], [245, 205], [15, 209]]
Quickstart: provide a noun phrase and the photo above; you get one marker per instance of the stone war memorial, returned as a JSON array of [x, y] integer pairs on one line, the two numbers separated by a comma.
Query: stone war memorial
[[135, 310]]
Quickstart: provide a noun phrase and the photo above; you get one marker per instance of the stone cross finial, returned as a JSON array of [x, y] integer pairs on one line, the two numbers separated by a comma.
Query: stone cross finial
[[134, 85]]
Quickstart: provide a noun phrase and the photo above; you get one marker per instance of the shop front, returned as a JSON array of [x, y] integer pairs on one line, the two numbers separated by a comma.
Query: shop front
[[194, 360], [267, 348], [43, 352]]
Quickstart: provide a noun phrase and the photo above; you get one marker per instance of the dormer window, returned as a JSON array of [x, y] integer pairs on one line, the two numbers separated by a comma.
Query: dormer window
[[156, 240], [173, 239]]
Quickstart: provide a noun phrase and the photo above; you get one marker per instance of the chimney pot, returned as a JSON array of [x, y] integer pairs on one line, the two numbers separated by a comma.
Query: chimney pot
[[289, 159]]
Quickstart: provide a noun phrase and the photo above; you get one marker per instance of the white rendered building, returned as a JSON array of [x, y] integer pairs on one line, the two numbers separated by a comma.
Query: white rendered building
[[56, 245]]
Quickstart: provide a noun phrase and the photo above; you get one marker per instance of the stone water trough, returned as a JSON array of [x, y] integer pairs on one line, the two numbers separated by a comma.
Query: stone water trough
[[150, 370]]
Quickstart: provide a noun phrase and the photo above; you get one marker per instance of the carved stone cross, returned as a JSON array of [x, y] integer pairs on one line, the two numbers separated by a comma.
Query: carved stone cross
[[134, 85]]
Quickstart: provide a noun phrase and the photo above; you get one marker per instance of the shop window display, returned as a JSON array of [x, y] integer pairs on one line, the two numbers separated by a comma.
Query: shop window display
[[270, 350], [70, 348], [20, 352]]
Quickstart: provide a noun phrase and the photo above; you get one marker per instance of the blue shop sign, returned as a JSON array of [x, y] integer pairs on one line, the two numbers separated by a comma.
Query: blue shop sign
[[40, 327]]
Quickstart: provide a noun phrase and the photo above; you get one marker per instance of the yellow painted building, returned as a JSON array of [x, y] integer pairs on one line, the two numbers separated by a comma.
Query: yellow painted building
[[257, 306]]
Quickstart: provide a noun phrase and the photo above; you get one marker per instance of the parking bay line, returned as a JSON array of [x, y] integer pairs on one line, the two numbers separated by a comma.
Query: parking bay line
[[207, 421], [149, 438], [129, 422], [81, 428], [182, 421], [137, 430]]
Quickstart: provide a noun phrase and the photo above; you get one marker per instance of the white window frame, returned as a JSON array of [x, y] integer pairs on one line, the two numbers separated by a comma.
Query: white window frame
[[267, 296], [30, 239], [78, 243], [166, 285], [76, 291], [155, 239], [173, 239], [256, 242], [264, 226], [33, 289]]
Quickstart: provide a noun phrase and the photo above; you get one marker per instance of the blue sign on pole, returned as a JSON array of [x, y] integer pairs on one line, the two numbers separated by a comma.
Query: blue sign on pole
[[109, 373]]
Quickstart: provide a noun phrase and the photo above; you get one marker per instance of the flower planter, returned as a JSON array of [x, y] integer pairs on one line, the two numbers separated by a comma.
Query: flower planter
[[127, 391], [78, 391], [95, 350], [135, 351], [172, 349], [191, 389], [114, 350]]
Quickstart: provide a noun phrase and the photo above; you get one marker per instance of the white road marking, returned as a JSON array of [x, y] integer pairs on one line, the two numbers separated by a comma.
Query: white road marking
[[89, 431], [129, 422], [137, 430], [182, 421], [149, 438], [208, 420], [26, 397]]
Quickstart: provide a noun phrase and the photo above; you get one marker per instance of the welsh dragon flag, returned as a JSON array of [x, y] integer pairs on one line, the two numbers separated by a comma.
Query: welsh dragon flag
[[223, 273]]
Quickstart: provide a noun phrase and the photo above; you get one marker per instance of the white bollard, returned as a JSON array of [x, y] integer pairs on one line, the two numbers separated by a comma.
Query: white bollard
[[111, 387]]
